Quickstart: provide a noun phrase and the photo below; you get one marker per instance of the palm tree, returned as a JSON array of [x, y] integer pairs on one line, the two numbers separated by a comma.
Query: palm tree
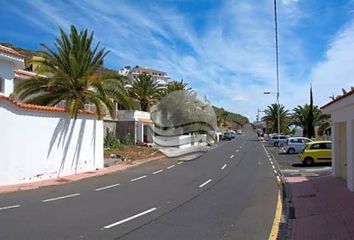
[[146, 91], [271, 117], [70, 75], [177, 86], [301, 118], [115, 87]]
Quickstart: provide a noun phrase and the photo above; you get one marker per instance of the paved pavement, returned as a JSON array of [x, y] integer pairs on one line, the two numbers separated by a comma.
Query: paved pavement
[[228, 193], [324, 208]]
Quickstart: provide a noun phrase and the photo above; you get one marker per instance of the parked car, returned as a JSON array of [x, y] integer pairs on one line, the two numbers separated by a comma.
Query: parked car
[[277, 140], [227, 136], [295, 144], [316, 152], [239, 132], [233, 135]]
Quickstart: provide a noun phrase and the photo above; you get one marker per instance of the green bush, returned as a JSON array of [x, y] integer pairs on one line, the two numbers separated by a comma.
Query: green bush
[[110, 141]]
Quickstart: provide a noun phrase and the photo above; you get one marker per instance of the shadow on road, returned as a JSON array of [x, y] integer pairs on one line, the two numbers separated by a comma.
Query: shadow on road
[[300, 165]]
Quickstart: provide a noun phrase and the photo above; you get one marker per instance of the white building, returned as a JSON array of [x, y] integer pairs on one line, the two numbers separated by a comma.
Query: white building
[[342, 118], [10, 61], [159, 76]]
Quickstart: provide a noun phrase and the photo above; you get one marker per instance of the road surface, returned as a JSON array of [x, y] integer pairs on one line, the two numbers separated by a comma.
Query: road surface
[[228, 193]]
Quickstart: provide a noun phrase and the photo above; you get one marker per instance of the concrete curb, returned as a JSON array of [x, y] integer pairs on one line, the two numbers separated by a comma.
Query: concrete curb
[[75, 177]]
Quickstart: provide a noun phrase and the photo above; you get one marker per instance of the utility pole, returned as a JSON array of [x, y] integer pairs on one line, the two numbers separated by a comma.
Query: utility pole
[[277, 59]]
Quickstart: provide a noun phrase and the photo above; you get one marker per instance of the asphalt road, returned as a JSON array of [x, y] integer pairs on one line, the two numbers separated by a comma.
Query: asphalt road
[[228, 193], [290, 166]]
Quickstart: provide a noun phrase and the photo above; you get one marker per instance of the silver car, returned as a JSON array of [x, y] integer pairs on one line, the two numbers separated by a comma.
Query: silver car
[[277, 140], [295, 144]]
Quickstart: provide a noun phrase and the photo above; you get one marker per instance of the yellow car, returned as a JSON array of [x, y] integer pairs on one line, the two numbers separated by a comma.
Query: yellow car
[[316, 152]]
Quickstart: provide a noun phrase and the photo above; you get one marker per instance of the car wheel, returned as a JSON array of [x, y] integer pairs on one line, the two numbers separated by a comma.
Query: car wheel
[[291, 151], [308, 161], [276, 144]]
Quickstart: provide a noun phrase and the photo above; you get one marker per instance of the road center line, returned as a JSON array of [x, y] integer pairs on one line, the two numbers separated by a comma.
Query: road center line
[[224, 166], [236, 150], [179, 163], [171, 166], [231, 156], [129, 218], [107, 187], [9, 207], [203, 184], [136, 179], [62, 197], [158, 171]]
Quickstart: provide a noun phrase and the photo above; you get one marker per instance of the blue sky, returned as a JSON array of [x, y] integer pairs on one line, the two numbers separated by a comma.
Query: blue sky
[[223, 49]]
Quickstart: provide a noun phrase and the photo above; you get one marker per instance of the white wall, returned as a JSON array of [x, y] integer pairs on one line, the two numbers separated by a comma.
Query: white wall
[[7, 73], [37, 145]]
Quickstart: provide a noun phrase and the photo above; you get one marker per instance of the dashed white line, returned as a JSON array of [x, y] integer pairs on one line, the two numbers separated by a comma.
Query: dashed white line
[[236, 150], [278, 178], [158, 171], [231, 156], [224, 166], [273, 166], [9, 207], [179, 163], [205, 183], [275, 172], [129, 218], [107, 187], [171, 166], [136, 179], [62, 197]]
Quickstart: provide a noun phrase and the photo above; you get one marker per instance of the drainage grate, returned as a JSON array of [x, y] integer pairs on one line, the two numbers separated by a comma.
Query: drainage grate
[[311, 195]]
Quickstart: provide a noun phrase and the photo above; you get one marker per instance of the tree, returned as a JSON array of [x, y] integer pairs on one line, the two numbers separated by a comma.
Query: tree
[[176, 86], [115, 87], [69, 76], [271, 117], [146, 91]]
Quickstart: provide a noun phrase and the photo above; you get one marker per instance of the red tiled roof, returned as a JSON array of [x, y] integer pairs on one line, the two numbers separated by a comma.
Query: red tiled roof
[[10, 51], [39, 107], [339, 98]]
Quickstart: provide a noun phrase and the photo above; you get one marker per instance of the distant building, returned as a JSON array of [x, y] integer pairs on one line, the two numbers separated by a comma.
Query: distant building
[[159, 76]]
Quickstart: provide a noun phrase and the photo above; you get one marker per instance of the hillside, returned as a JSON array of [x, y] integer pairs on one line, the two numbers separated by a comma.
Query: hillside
[[229, 119]]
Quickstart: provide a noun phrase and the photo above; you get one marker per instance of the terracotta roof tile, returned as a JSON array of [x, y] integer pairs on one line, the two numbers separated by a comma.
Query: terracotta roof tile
[[39, 107], [10, 51]]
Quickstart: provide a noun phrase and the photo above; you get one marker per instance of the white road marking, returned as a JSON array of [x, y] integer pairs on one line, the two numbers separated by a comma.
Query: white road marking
[[171, 166], [240, 147], [275, 171], [273, 166], [203, 184], [179, 163], [62, 197], [9, 207], [278, 178], [136, 179], [224, 166], [107, 187], [236, 150], [231, 156], [158, 171], [129, 218]]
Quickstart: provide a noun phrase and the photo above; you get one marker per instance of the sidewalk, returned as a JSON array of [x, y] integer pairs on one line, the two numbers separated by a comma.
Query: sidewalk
[[76, 177], [324, 208]]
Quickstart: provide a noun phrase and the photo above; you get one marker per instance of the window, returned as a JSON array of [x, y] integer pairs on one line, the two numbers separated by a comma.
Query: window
[[315, 146], [2, 85]]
